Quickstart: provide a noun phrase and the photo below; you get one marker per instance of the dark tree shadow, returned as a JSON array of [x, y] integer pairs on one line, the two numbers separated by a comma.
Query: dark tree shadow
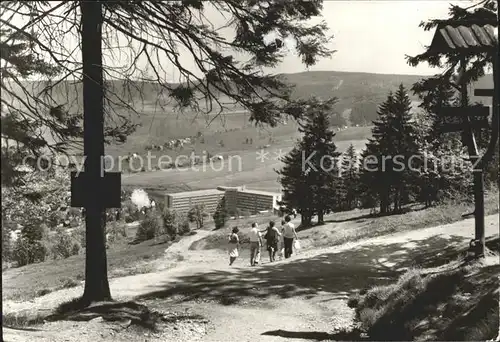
[[316, 335], [79, 310], [20, 328], [344, 272]]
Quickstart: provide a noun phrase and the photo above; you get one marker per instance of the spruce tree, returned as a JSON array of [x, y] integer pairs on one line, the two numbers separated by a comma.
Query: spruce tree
[[375, 182], [406, 144], [310, 177], [396, 148], [350, 178], [296, 187]]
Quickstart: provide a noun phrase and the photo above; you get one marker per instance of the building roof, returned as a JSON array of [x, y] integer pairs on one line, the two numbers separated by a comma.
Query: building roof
[[196, 193], [258, 192], [464, 35]]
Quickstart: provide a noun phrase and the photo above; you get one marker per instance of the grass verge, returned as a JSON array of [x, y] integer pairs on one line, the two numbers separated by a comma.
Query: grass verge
[[34, 280], [358, 224], [452, 304]]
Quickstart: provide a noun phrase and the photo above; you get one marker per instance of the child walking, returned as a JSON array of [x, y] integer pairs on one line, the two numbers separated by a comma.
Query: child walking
[[234, 245]]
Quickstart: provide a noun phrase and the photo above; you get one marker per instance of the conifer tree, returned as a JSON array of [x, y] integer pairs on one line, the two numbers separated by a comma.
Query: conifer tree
[[396, 148], [350, 178], [406, 144], [375, 182], [310, 177]]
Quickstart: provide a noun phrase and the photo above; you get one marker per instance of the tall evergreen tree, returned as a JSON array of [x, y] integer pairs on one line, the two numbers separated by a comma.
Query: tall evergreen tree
[[310, 177], [397, 151], [406, 143], [350, 178], [375, 182]]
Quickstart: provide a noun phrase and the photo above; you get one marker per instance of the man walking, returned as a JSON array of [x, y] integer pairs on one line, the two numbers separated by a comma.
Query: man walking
[[289, 234], [255, 244]]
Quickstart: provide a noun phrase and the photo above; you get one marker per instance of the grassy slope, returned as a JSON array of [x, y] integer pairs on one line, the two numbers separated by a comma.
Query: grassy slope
[[354, 225], [443, 302], [25, 282], [253, 173], [123, 259]]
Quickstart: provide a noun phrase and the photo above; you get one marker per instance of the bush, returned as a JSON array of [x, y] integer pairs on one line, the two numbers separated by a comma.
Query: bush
[[197, 214], [116, 232], [395, 312], [245, 213], [35, 232], [149, 228], [6, 244], [64, 245], [170, 223], [80, 235], [184, 228], [75, 250], [129, 219], [28, 252], [220, 216]]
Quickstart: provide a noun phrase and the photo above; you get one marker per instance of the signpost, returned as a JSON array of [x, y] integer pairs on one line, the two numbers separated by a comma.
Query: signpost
[[465, 119]]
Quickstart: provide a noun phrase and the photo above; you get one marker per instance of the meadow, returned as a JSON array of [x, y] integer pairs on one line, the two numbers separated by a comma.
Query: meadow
[[241, 164]]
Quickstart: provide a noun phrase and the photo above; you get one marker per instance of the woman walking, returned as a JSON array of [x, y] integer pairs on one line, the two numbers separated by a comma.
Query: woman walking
[[272, 239], [234, 245]]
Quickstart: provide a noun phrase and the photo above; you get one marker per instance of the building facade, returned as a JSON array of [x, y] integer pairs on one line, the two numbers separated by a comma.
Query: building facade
[[182, 202], [253, 201], [235, 199]]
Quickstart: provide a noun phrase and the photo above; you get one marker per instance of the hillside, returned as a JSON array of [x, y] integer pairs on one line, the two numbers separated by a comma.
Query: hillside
[[358, 96], [355, 90]]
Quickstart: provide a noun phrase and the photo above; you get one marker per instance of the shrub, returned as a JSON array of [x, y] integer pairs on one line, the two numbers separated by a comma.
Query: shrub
[[64, 245], [149, 228], [43, 292], [184, 228], [129, 218], [245, 213], [220, 216], [116, 232], [28, 252], [75, 250], [170, 222], [6, 244], [35, 232], [197, 214]]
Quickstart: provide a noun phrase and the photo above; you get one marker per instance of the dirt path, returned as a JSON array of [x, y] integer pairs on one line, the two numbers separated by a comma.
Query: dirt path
[[301, 297]]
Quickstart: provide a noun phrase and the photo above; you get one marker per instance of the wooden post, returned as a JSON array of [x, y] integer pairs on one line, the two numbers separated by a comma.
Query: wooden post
[[477, 172]]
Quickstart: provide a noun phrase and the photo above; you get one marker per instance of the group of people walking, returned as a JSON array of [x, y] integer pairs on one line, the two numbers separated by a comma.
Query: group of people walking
[[275, 239]]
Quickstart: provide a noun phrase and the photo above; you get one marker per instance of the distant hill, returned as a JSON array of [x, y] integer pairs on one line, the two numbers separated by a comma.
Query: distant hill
[[358, 94]]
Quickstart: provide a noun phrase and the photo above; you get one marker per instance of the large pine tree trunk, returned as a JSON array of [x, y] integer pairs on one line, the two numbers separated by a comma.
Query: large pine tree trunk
[[305, 220], [384, 203], [96, 272], [321, 219]]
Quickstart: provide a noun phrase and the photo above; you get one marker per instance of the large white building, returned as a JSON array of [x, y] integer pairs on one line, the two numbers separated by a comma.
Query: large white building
[[182, 202], [251, 200], [236, 199]]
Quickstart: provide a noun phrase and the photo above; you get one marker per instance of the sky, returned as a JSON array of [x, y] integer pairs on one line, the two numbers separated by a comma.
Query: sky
[[369, 36], [374, 36]]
